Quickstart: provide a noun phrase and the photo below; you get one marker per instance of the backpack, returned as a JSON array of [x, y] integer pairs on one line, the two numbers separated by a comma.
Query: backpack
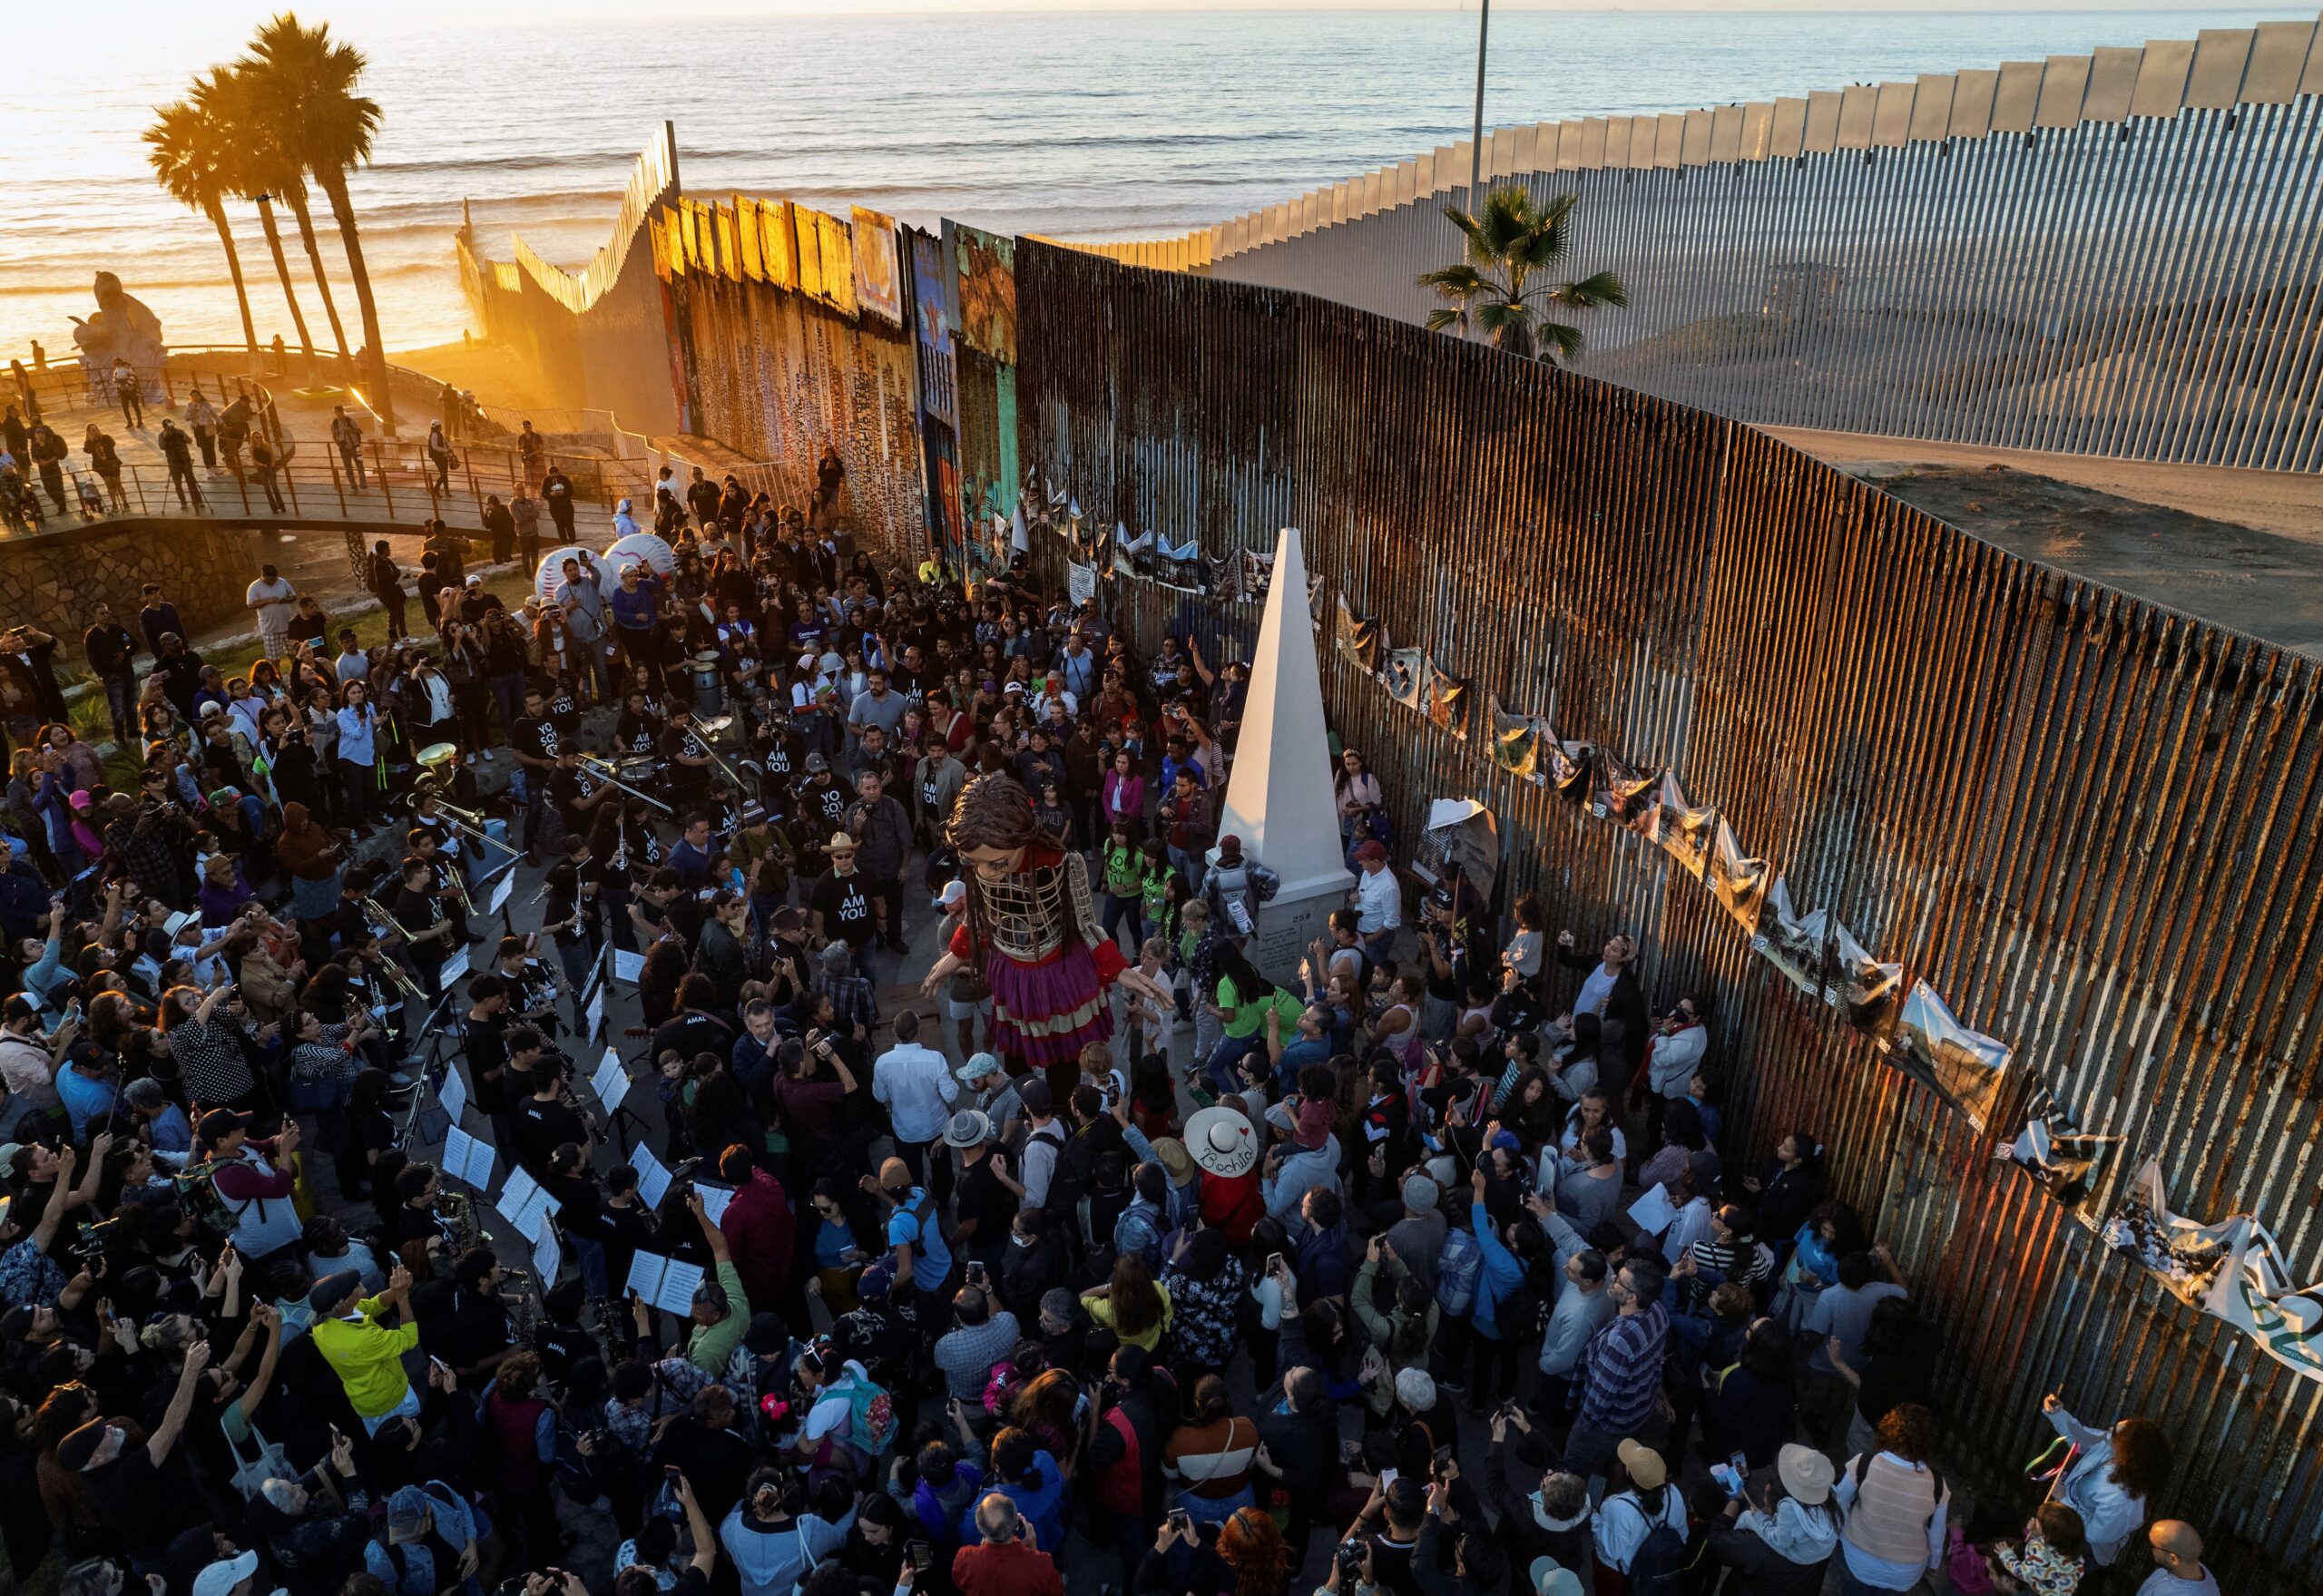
[[1097, 1255], [1519, 1314], [1458, 1269], [1659, 1560], [870, 1417]]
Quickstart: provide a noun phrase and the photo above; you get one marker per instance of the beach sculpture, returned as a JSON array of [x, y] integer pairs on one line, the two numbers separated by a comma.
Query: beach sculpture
[[124, 328]]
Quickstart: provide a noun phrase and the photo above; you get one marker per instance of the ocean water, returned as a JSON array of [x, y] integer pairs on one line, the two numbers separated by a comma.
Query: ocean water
[[1094, 125]]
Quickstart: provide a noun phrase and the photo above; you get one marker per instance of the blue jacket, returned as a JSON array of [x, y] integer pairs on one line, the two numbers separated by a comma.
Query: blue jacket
[[1041, 1505], [1501, 1273]]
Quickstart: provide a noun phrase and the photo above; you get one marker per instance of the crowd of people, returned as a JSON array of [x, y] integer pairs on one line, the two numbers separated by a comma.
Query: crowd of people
[[1427, 1267]]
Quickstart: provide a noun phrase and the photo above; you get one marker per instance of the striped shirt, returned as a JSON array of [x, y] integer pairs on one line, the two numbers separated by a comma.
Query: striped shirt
[[1621, 1371]]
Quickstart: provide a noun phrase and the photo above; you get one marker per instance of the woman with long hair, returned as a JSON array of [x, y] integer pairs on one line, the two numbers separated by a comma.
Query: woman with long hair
[[1359, 796], [1251, 1545], [1131, 1304], [1204, 1281], [2118, 1473]]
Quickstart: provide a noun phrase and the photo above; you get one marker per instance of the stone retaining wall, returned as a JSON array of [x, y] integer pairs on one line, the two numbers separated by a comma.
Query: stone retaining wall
[[52, 579]]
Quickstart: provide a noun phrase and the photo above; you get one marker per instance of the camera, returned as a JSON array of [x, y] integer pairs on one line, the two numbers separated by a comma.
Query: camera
[[1350, 1556]]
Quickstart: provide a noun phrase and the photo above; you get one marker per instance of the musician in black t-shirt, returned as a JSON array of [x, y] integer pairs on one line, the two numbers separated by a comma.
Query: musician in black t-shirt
[[535, 740], [638, 729], [685, 759], [427, 933], [544, 1121], [484, 1041], [576, 790], [575, 919]]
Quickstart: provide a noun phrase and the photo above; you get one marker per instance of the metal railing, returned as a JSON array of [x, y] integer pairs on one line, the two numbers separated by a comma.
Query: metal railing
[[399, 485]]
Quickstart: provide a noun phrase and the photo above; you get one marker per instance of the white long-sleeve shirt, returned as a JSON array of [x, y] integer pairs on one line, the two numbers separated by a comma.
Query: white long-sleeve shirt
[[1378, 902], [1621, 1524], [919, 1089]]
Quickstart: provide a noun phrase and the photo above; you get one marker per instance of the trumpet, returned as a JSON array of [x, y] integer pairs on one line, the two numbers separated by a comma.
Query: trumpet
[[378, 911], [603, 770], [460, 887]]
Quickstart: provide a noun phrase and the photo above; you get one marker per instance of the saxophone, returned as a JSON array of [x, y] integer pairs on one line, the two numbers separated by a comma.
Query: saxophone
[[457, 1214]]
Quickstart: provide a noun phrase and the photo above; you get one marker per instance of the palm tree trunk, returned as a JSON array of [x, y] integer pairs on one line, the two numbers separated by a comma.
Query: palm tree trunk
[[304, 218], [342, 210], [282, 270], [234, 265]]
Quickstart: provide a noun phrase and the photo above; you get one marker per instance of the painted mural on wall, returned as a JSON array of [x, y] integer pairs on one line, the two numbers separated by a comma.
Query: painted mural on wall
[[987, 267]]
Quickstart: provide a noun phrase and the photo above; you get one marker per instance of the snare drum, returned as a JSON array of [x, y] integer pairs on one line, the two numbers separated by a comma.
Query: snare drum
[[639, 771]]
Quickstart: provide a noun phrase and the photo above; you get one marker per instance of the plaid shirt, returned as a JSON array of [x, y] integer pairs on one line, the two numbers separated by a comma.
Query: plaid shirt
[[854, 1001], [1621, 1371]]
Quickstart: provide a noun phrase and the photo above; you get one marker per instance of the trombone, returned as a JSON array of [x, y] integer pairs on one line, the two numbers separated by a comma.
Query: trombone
[[434, 761], [603, 770]]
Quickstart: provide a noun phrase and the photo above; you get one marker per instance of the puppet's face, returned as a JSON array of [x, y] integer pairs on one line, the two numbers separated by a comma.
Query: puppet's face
[[996, 863]]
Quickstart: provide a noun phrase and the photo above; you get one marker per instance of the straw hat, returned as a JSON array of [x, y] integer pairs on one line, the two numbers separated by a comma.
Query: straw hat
[[1223, 1142], [1805, 1474]]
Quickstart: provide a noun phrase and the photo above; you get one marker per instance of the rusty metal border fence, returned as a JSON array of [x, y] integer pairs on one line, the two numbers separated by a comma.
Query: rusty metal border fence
[[779, 375], [2092, 823]]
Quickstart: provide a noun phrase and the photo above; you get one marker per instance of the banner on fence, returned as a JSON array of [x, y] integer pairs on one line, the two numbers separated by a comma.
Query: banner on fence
[[878, 279], [1966, 1067], [987, 268]]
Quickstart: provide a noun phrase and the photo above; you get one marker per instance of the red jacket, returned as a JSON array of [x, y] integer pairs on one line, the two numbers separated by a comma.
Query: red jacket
[[1014, 1570], [762, 1235]]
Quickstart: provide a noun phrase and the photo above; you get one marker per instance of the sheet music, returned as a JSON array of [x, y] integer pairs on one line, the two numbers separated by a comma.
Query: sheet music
[[668, 1283], [652, 1178], [501, 888], [1653, 1212], [454, 968], [595, 1020], [468, 1159], [611, 1083], [548, 1259], [629, 967], [453, 1093], [714, 1199], [524, 1205]]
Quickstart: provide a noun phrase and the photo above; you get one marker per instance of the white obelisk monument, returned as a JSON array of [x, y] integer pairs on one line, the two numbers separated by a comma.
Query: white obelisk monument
[[1279, 798]]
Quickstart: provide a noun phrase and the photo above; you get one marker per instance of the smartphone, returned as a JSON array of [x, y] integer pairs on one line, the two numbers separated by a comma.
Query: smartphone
[[1740, 1464], [1387, 1478], [1274, 1263], [975, 1274], [670, 1473], [919, 1556], [1181, 1520]]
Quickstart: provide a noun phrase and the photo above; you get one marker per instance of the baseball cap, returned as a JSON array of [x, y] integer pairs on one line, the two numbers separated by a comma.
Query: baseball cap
[[333, 1290], [1551, 1578], [875, 1283], [817, 762], [954, 892], [978, 1066], [221, 1122], [1378, 850], [220, 1578], [1647, 1471]]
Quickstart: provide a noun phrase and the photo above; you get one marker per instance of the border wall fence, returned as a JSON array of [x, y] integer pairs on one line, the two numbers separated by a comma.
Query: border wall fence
[[2118, 253], [2096, 825], [600, 339], [2081, 816]]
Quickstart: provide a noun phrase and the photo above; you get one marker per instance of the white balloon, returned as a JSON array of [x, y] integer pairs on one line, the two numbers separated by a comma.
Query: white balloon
[[641, 545], [550, 576]]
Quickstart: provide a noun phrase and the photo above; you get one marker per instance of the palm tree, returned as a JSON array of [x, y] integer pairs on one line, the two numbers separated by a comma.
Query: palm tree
[[187, 148], [329, 126], [250, 172], [1494, 289]]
